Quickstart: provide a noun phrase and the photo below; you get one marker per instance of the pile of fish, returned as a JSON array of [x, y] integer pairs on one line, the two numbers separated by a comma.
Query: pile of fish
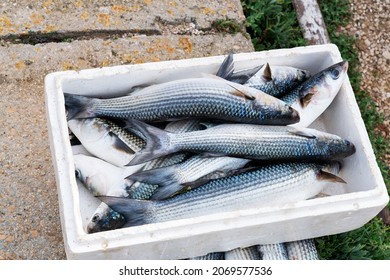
[[206, 145], [295, 250]]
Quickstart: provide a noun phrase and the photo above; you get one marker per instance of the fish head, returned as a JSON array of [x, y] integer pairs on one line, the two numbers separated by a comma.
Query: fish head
[[95, 174], [335, 147], [283, 113], [324, 86], [88, 130], [105, 219], [318, 92]]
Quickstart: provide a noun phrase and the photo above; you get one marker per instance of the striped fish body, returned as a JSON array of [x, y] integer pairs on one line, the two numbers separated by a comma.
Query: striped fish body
[[246, 141], [273, 251], [274, 80], [188, 98], [274, 184], [302, 250], [277, 80], [210, 256], [248, 253], [173, 178], [262, 143], [142, 190]]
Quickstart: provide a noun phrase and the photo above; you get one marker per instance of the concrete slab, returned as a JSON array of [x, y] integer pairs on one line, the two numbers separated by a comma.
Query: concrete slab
[[29, 217], [33, 62], [139, 16]]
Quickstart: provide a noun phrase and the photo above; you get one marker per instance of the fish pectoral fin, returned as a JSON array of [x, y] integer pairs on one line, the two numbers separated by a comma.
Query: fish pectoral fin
[[267, 75], [320, 195], [207, 125], [210, 154], [195, 184], [301, 132], [217, 174], [241, 93], [304, 101], [323, 175], [120, 145]]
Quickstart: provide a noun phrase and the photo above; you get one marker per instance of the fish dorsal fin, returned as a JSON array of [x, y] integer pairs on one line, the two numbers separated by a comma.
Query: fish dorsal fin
[[301, 132], [241, 77], [226, 69], [211, 76], [326, 176], [267, 74]]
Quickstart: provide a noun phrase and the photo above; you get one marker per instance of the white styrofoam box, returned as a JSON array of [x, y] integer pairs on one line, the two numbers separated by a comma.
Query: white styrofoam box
[[346, 208]]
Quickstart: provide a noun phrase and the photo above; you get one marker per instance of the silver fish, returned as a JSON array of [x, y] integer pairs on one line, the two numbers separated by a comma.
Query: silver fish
[[274, 80], [277, 80], [106, 140], [248, 253], [273, 251], [210, 256], [274, 184], [172, 179], [246, 141], [104, 218], [302, 250], [144, 190], [188, 98], [101, 177], [313, 96]]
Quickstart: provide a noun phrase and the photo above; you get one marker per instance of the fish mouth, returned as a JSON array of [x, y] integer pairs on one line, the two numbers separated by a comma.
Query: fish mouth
[[350, 147], [295, 115]]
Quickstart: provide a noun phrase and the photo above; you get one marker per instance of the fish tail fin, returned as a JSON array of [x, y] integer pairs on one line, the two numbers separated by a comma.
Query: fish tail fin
[[164, 177], [133, 210], [78, 106], [157, 142]]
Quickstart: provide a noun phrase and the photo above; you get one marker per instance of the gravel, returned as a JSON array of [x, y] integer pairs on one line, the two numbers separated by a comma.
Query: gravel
[[371, 27]]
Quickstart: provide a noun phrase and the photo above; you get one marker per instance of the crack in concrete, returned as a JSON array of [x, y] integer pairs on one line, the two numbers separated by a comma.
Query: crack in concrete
[[185, 26], [33, 38]]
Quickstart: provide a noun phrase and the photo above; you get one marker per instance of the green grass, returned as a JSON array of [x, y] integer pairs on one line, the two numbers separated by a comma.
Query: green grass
[[272, 24]]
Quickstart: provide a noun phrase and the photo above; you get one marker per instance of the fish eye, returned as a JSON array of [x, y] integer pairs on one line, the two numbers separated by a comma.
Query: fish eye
[[77, 173], [95, 218], [335, 73]]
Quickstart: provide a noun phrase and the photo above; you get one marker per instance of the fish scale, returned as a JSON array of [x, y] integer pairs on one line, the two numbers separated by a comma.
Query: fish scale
[[273, 184], [141, 190], [196, 97], [259, 142], [248, 253], [105, 218]]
